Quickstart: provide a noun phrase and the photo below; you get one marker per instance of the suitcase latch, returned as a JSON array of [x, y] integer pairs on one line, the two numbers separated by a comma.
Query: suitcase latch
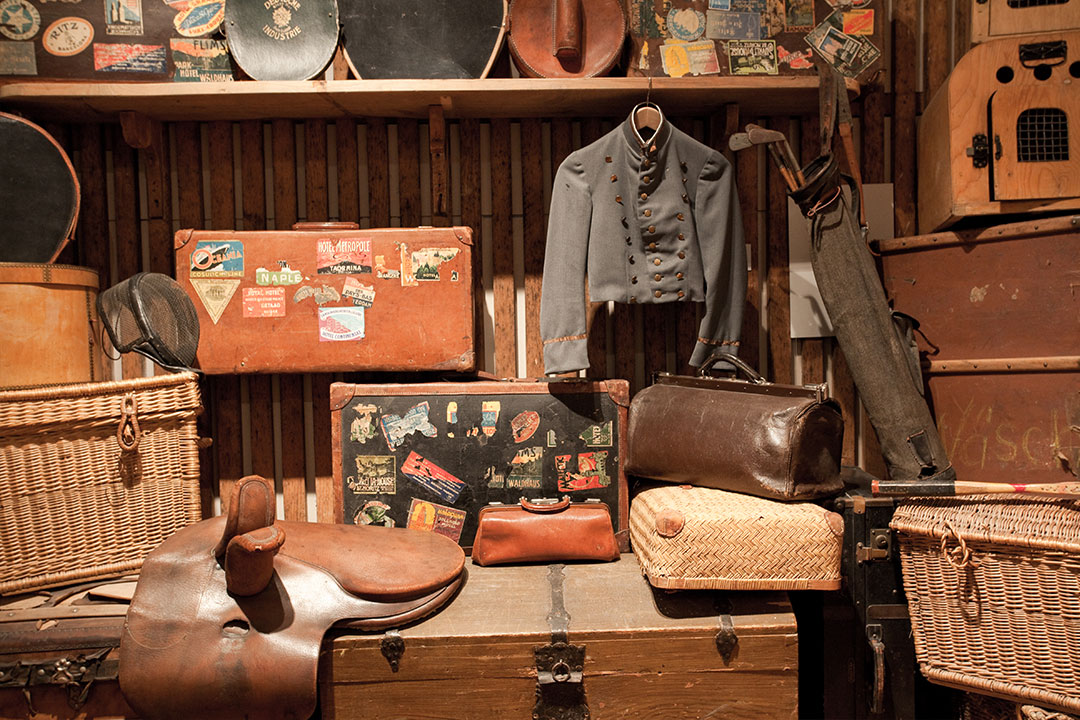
[[880, 547], [392, 648], [560, 666]]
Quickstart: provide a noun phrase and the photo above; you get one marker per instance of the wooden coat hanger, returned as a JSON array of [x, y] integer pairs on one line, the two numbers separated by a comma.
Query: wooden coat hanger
[[647, 114]]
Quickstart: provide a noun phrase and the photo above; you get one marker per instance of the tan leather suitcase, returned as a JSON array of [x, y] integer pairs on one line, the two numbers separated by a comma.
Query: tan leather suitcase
[[329, 297]]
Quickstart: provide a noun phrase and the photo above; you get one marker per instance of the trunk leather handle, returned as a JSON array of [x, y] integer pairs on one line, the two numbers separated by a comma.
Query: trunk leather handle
[[325, 226], [566, 29]]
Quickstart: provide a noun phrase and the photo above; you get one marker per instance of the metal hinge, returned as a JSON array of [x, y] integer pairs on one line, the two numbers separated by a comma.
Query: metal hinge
[[874, 635], [879, 548], [979, 152]]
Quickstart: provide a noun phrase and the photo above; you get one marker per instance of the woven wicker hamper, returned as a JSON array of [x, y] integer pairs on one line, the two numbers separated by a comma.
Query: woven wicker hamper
[[698, 538], [74, 504], [993, 589]]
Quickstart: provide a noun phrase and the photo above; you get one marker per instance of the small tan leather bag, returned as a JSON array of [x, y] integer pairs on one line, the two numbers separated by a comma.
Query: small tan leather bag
[[535, 531]]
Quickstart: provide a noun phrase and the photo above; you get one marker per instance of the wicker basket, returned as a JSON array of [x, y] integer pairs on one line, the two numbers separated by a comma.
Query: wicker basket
[[698, 538], [93, 476], [982, 707], [993, 588]]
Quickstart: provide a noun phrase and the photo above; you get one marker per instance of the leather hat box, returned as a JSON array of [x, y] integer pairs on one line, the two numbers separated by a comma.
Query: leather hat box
[[696, 538]]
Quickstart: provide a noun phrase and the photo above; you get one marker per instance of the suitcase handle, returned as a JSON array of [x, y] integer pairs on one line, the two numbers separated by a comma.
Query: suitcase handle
[[721, 356], [546, 505], [325, 226]]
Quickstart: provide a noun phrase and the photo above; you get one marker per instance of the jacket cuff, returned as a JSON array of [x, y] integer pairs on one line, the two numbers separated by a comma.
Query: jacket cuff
[[703, 349], [566, 356]]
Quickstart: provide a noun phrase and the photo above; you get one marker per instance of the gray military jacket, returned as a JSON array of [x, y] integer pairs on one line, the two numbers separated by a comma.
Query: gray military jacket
[[652, 220]]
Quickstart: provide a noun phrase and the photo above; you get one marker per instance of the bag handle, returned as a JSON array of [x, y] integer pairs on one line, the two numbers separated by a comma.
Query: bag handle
[[325, 226], [545, 505], [724, 356]]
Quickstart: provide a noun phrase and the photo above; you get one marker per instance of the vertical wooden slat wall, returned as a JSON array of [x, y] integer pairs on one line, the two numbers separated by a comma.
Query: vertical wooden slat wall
[[378, 172]]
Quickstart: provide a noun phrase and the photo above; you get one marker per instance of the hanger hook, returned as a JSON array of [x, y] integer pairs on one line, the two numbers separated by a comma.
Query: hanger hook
[[648, 92]]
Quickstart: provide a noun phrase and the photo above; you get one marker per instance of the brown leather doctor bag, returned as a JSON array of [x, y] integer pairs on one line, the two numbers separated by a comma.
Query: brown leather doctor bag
[[780, 442]]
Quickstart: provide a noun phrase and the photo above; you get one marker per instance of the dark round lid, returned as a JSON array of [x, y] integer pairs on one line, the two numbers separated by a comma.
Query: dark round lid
[[39, 194], [281, 39], [422, 39]]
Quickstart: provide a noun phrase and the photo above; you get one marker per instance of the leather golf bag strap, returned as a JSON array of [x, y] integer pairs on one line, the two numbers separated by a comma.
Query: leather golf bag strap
[[835, 112]]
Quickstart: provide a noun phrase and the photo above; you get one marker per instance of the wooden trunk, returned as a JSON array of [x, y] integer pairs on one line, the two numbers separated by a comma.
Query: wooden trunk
[[331, 298], [995, 18], [431, 455], [1000, 336], [1002, 135], [49, 318], [648, 653]]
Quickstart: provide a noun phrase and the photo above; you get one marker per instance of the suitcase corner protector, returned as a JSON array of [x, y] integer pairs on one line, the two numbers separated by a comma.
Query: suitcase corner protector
[[340, 395], [619, 392], [464, 234], [182, 237]]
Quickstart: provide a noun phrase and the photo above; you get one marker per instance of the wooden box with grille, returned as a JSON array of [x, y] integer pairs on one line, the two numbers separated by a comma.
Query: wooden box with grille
[[93, 476], [1002, 135], [996, 18], [993, 589], [696, 538]]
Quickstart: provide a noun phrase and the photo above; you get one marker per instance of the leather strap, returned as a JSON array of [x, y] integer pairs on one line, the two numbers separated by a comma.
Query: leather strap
[[566, 33], [835, 114], [545, 507]]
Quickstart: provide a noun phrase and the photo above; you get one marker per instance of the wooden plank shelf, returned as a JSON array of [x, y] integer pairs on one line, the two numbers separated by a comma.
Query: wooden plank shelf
[[492, 97]]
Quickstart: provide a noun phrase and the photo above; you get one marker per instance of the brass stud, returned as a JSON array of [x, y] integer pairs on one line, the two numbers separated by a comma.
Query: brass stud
[[681, 236], [658, 277], [618, 199], [656, 261], [679, 276], [647, 213], [681, 216], [614, 178], [644, 196], [652, 228], [682, 255], [646, 179], [652, 246], [682, 294], [658, 294], [607, 159]]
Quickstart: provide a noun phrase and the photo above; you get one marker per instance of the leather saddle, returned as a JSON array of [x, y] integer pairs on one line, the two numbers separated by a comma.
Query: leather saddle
[[229, 614]]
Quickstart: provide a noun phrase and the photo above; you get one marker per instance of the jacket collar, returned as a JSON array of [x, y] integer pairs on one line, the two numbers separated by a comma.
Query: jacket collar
[[651, 145]]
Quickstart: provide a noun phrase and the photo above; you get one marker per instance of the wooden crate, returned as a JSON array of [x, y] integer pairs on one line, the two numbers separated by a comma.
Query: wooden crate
[[999, 335], [1002, 135], [648, 654], [997, 18]]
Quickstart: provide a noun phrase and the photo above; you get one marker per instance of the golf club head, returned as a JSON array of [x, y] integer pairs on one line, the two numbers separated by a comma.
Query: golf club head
[[739, 141]]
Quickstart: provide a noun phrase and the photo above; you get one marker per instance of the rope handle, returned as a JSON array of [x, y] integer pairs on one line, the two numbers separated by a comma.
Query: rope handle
[[127, 432], [959, 557]]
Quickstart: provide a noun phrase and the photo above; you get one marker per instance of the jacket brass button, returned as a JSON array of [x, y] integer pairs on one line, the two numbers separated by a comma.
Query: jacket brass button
[[618, 199], [644, 196], [683, 166], [682, 294], [658, 277], [646, 164], [656, 261], [681, 236], [646, 179], [648, 213], [684, 181], [658, 294], [652, 246], [634, 279], [679, 275], [607, 159], [685, 199], [631, 259], [633, 300], [652, 228], [614, 178], [628, 241], [682, 255], [681, 216]]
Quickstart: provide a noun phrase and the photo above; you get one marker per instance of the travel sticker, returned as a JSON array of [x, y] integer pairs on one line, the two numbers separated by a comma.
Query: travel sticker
[[375, 475], [591, 472], [340, 324], [123, 17], [374, 513], [67, 36], [415, 419], [647, 17], [696, 58], [17, 58], [799, 15], [384, 273], [719, 4], [200, 18], [597, 435], [489, 416], [849, 54], [524, 425], [551, 438], [200, 60], [324, 295], [495, 480], [362, 428], [424, 515], [263, 302], [362, 295], [686, 24], [859, 22], [120, 57], [282, 27], [431, 477], [349, 256], [425, 263], [733, 25], [215, 294], [215, 258], [526, 469], [797, 60], [282, 275], [451, 413], [407, 277], [19, 20], [752, 57]]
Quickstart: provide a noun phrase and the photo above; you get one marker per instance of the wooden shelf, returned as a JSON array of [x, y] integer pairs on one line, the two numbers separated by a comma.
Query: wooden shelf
[[493, 97]]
